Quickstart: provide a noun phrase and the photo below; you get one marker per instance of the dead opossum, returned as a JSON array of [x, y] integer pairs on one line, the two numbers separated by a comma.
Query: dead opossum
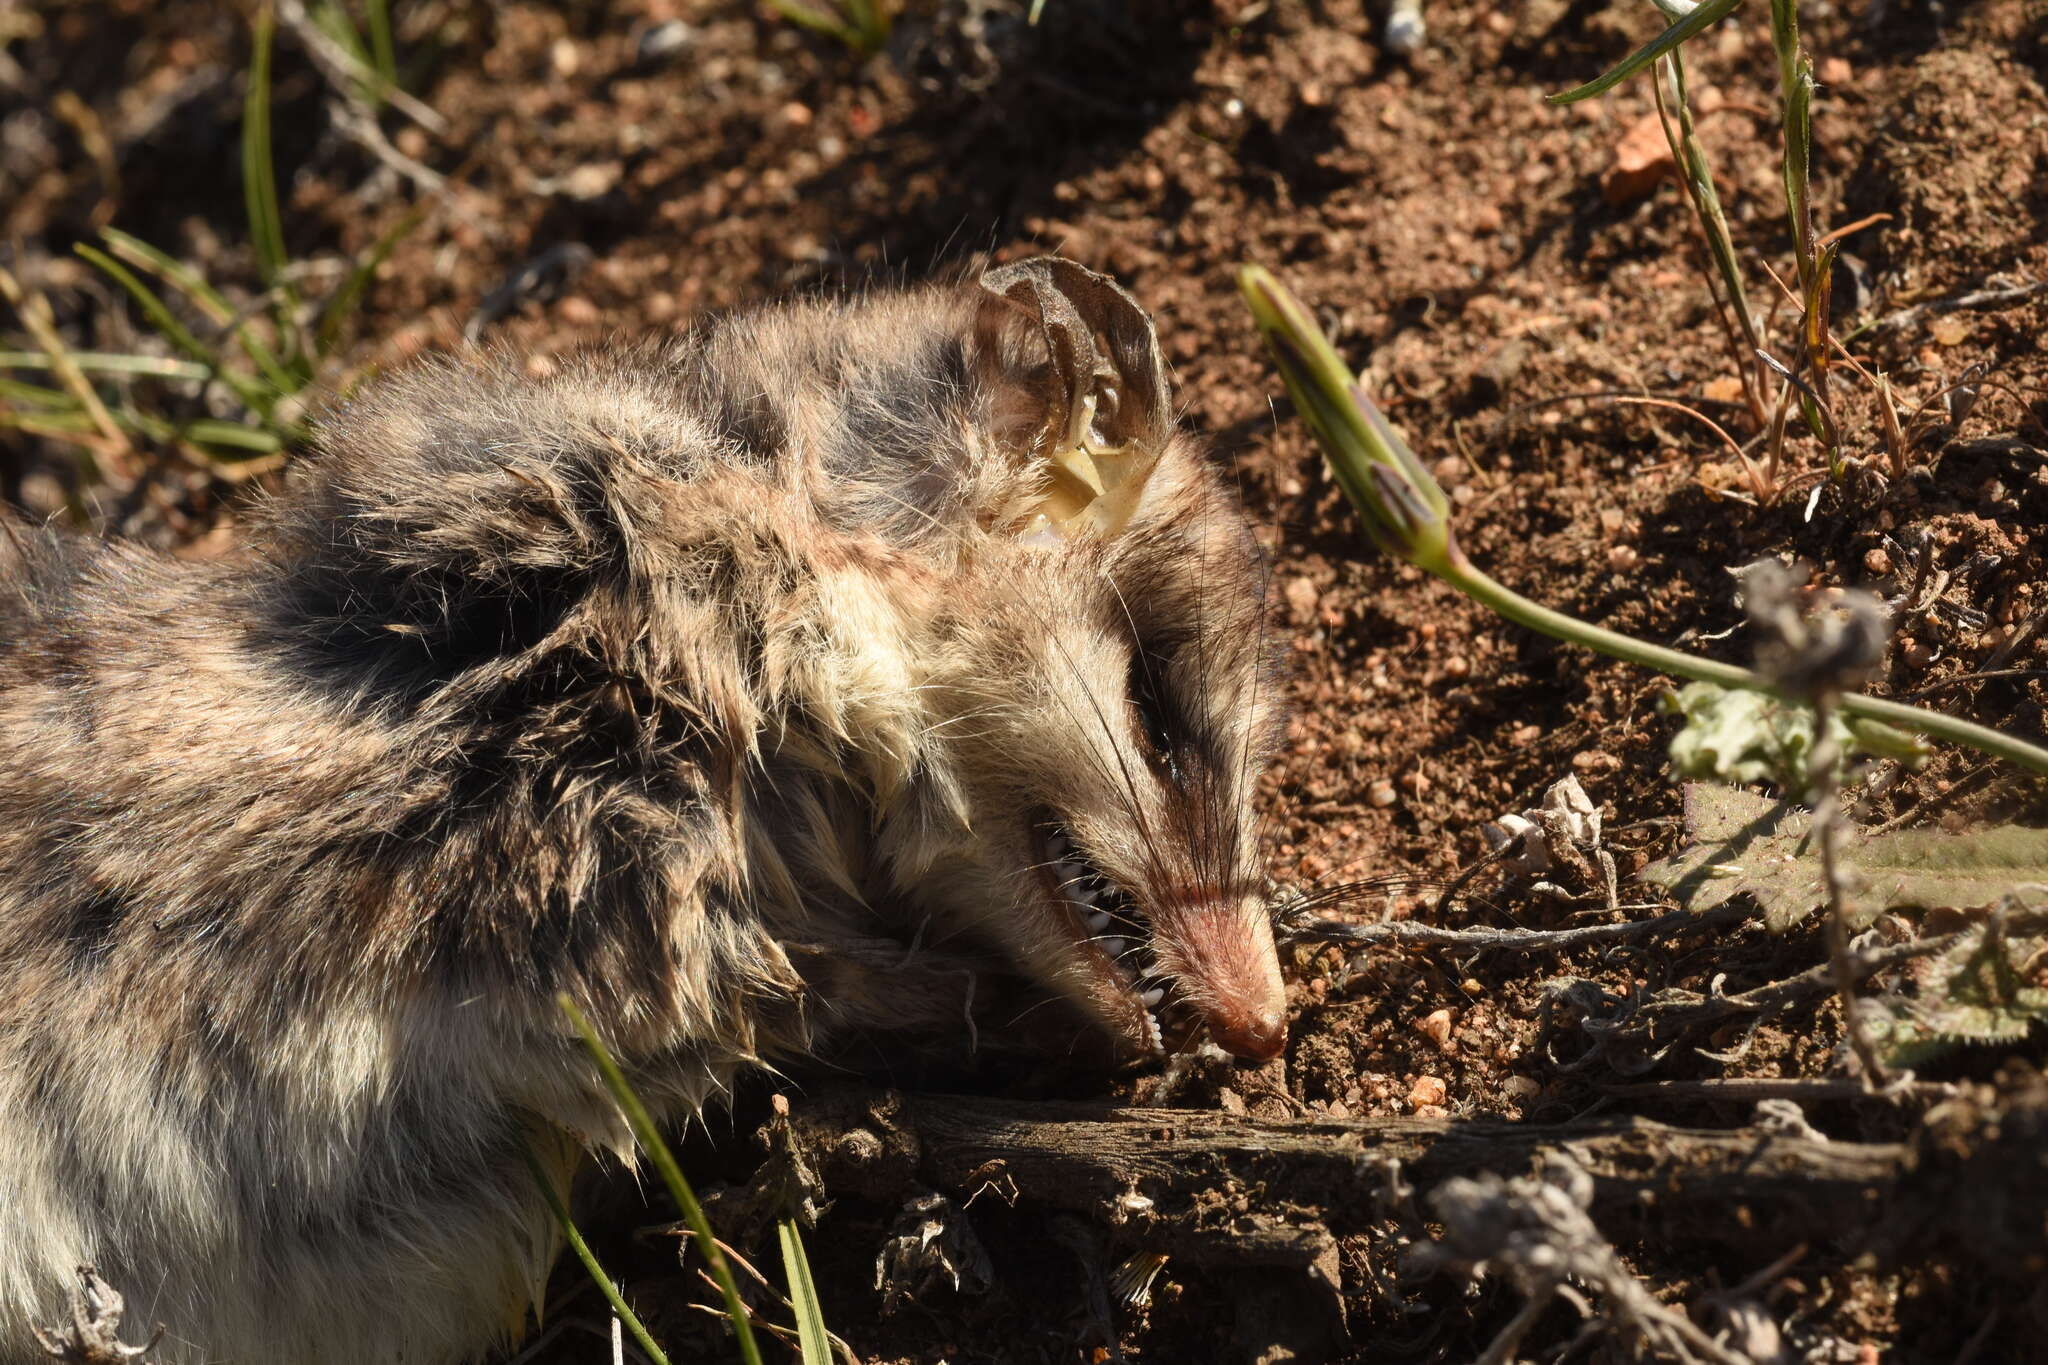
[[727, 684]]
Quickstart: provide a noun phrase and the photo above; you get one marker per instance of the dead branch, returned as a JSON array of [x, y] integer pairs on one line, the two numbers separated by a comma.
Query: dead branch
[[1226, 1189]]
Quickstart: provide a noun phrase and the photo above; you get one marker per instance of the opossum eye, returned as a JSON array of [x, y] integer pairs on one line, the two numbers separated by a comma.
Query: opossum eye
[[1158, 721]]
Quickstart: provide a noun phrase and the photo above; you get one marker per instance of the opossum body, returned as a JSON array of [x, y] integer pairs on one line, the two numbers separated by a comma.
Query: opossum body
[[692, 680]]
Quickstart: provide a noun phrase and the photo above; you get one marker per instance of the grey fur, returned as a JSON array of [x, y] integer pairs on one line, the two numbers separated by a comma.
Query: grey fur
[[693, 680]]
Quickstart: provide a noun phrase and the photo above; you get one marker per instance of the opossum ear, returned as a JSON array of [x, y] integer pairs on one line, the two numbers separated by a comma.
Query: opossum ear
[[1107, 410]]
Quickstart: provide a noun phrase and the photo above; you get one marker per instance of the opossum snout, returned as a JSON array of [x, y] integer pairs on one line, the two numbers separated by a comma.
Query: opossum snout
[[1229, 970], [1255, 1036]]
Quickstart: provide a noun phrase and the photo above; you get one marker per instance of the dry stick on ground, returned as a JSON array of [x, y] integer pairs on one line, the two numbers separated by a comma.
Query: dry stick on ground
[[354, 115], [1154, 1174], [1524, 940], [1535, 1231], [341, 68], [1976, 299], [1827, 824]]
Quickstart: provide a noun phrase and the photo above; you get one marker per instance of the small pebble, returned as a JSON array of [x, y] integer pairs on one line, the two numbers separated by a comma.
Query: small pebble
[[1877, 563], [1436, 1026], [1302, 598], [661, 42], [1427, 1090], [1381, 793]]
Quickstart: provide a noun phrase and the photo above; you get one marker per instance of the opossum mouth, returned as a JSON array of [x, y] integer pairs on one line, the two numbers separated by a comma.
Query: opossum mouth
[[1123, 986]]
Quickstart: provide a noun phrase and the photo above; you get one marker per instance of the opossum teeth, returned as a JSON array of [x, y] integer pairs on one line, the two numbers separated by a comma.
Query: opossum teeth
[[1097, 921]]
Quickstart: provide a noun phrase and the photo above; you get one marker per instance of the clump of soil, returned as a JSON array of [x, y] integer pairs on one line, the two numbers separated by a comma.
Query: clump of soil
[[659, 161]]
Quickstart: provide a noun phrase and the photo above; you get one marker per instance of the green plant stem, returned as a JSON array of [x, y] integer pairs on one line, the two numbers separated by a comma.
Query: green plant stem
[[664, 1160], [1506, 602], [626, 1315], [1406, 514]]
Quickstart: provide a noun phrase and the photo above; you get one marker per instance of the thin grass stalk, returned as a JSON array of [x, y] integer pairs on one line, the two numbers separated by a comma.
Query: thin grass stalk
[[102, 362], [252, 394], [1693, 23], [36, 396], [259, 175], [1795, 90], [340, 307], [1696, 175], [34, 311], [1406, 514], [664, 1160], [620, 1308], [207, 299]]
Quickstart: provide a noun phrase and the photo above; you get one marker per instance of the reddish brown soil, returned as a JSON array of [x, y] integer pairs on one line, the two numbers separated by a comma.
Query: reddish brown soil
[[1453, 234]]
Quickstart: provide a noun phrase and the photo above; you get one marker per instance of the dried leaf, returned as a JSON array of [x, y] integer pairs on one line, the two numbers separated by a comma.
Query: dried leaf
[[1742, 843]]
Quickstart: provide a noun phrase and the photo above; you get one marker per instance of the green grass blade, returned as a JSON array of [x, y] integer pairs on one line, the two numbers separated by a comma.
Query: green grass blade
[[803, 16], [208, 300], [55, 411], [627, 1316], [1694, 23], [339, 308], [172, 271], [382, 51], [38, 397], [259, 174], [813, 1341], [252, 394], [1798, 165], [100, 362], [207, 431], [672, 1176]]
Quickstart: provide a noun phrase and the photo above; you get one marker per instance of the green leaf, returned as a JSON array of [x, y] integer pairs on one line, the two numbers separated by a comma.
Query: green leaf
[[1744, 844], [1735, 735], [1685, 28], [1978, 991], [813, 1341]]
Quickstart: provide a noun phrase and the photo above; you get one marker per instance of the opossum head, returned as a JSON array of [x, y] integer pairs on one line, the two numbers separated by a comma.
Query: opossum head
[[912, 617], [1106, 687]]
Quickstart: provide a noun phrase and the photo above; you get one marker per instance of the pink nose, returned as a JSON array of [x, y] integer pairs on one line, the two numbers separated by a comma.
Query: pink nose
[[1255, 1037]]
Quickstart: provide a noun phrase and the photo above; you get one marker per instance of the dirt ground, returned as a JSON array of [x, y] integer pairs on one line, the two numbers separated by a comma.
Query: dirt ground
[[1459, 243]]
